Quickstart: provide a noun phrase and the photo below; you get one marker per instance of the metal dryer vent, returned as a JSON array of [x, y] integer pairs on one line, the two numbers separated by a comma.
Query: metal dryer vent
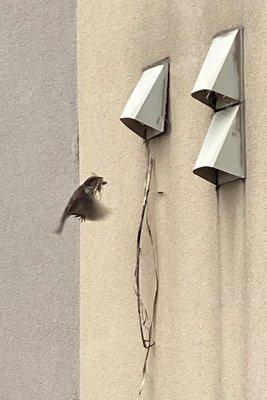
[[220, 86], [221, 157], [145, 111]]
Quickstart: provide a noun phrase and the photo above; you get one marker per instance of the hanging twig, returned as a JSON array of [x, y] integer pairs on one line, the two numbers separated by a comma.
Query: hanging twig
[[142, 312], [141, 309], [153, 320]]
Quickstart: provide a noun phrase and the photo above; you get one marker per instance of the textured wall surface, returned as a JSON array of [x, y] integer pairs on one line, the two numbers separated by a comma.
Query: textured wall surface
[[39, 312], [209, 338]]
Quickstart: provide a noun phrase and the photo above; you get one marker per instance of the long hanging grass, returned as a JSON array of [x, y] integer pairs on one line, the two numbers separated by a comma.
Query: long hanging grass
[[146, 328]]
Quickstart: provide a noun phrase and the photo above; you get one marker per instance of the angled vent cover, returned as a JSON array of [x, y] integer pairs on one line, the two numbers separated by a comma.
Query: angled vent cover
[[221, 158], [220, 86], [145, 111], [219, 83]]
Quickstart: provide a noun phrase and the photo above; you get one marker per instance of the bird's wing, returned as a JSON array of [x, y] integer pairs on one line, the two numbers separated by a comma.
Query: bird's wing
[[78, 195], [71, 207]]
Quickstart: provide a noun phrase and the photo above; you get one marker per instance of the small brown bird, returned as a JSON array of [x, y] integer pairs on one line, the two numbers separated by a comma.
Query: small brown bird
[[84, 204]]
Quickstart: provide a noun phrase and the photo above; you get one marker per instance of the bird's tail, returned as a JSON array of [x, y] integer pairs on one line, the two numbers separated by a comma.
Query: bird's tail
[[59, 229]]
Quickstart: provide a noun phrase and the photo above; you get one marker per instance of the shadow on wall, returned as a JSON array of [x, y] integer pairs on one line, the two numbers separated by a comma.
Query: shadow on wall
[[232, 250]]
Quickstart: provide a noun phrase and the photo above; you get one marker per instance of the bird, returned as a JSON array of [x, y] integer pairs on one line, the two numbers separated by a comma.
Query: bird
[[84, 203]]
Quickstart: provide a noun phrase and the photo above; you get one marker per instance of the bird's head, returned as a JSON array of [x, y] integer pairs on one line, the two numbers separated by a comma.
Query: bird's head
[[94, 183]]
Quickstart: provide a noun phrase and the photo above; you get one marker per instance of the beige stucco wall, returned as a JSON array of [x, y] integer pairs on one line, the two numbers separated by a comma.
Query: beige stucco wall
[[209, 337]]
